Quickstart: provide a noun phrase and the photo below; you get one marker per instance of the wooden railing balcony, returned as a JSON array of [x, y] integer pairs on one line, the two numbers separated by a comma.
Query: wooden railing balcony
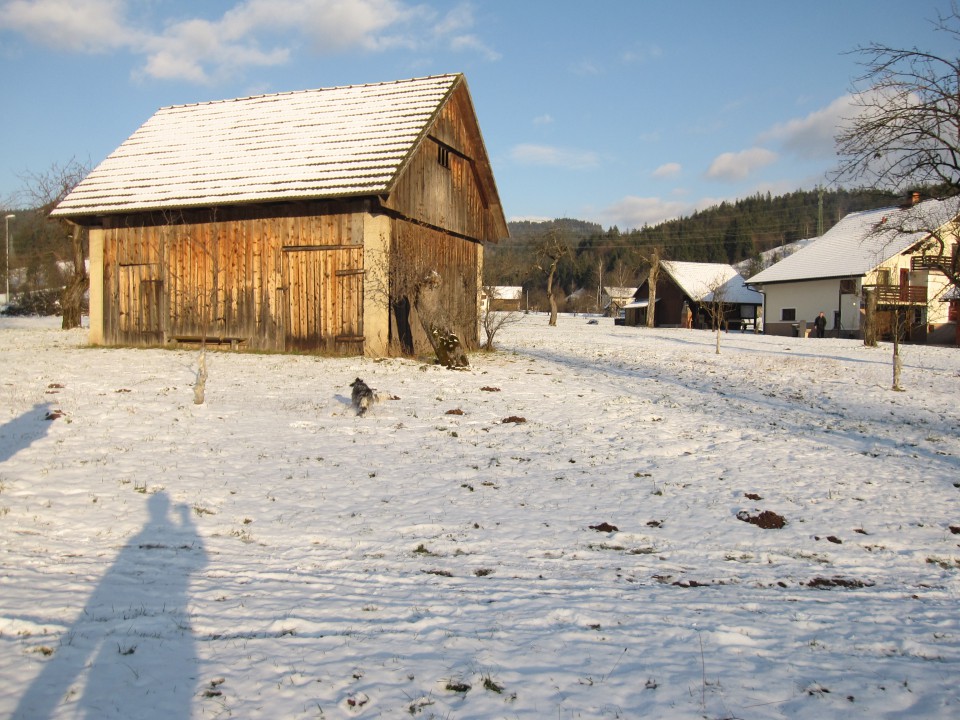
[[924, 262], [900, 294]]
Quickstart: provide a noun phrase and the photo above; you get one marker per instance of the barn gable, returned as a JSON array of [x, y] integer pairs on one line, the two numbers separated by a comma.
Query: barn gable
[[295, 221]]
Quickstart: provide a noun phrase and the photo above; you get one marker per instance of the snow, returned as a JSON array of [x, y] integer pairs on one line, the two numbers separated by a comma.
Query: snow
[[269, 554]]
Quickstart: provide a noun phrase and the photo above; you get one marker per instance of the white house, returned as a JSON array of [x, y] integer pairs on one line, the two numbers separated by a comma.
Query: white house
[[887, 249], [503, 297], [614, 299]]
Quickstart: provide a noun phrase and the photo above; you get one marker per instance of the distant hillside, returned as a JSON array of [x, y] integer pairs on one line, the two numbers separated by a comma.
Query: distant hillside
[[523, 230], [746, 233]]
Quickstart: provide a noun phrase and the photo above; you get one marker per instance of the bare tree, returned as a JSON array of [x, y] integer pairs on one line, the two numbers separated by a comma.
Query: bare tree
[[623, 274], [550, 252], [717, 304], [906, 133], [653, 256], [44, 191], [492, 320], [870, 317]]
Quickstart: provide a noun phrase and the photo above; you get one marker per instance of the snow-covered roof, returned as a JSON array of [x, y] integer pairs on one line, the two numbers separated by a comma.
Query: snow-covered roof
[[860, 242], [507, 292], [324, 143], [620, 292], [698, 281], [735, 292]]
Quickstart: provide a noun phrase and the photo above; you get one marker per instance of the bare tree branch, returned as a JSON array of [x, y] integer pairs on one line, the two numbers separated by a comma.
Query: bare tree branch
[[906, 132]]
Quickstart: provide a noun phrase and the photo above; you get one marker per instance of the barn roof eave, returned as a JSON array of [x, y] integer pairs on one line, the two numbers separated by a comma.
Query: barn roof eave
[[101, 212]]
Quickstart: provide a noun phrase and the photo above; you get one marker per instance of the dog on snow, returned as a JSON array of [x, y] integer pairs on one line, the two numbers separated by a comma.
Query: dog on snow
[[362, 397]]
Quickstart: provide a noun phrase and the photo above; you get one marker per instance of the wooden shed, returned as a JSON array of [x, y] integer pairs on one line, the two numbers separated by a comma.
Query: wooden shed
[[306, 221], [696, 286]]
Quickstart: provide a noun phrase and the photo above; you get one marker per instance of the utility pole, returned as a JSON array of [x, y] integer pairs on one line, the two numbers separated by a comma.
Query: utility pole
[[6, 266], [599, 283], [819, 211]]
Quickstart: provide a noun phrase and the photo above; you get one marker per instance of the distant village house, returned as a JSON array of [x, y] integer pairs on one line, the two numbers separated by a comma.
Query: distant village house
[[690, 289], [504, 298], [885, 251]]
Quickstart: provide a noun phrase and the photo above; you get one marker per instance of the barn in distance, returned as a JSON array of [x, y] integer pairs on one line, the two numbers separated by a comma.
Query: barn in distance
[[346, 220]]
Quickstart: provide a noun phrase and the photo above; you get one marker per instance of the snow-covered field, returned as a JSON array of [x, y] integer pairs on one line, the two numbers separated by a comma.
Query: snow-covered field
[[270, 555]]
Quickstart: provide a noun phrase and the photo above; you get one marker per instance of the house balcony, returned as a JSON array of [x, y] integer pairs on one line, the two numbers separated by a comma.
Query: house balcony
[[900, 294], [930, 262]]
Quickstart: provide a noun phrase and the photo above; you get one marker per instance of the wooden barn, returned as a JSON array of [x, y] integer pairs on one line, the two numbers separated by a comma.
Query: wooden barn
[[695, 286], [344, 220]]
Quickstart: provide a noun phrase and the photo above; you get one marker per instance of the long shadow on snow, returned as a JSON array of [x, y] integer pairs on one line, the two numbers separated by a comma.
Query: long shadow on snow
[[806, 421], [728, 342], [24, 430], [131, 652]]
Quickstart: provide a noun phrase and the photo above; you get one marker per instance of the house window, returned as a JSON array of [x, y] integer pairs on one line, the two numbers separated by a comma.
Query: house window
[[788, 314], [883, 276], [848, 286], [443, 155]]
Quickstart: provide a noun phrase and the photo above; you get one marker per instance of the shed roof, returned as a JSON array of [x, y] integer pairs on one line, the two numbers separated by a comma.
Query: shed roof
[[507, 292], [619, 292], [860, 242], [698, 281], [325, 143]]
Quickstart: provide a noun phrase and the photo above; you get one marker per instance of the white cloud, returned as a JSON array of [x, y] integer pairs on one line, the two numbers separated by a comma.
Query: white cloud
[[668, 170], [87, 26], [454, 28], [813, 135], [641, 53], [545, 119], [739, 166], [251, 33], [529, 154], [585, 68], [635, 212], [463, 43]]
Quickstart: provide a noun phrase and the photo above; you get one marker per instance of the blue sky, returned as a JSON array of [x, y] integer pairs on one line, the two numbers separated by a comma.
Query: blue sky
[[618, 112]]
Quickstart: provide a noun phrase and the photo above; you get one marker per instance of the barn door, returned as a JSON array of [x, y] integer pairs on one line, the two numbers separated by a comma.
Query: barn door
[[140, 297], [324, 297]]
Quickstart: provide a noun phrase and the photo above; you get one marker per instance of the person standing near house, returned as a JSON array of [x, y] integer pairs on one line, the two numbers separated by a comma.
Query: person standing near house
[[820, 324], [686, 316]]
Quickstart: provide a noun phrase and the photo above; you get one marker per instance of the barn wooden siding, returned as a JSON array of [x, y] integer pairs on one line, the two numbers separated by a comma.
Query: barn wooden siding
[[415, 252], [293, 279], [442, 185], [290, 280]]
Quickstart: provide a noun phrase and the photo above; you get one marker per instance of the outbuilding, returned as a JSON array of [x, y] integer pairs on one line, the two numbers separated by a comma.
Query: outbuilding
[[347, 220]]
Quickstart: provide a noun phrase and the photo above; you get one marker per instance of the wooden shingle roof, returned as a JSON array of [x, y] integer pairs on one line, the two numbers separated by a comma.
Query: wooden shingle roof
[[311, 144]]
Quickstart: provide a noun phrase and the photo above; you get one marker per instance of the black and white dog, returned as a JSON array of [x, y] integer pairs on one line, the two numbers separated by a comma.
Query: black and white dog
[[363, 396]]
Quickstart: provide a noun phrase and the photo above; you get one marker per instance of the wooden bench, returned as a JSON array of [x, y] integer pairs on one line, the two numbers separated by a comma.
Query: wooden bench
[[234, 342]]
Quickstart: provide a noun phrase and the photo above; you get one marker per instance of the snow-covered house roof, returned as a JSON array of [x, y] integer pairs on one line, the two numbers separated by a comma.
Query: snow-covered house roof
[[860, 242], [734, 292], [698, 281], [507, 292], [325, 143], [619, 292]]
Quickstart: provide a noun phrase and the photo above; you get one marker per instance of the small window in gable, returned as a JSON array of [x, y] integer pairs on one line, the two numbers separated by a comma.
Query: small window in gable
[[443, 155], [788, 314]]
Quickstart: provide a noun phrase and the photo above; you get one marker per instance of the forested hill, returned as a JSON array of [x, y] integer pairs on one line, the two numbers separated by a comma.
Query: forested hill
[[730, 233]]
